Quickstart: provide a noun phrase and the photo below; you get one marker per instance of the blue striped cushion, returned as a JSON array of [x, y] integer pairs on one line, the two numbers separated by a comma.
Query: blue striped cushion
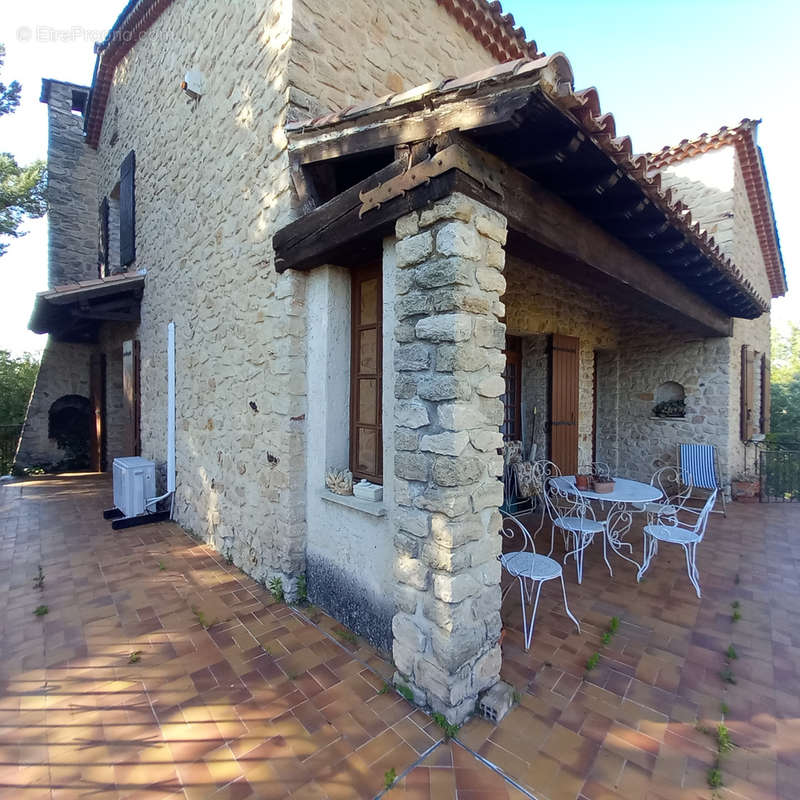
[[697, 462]]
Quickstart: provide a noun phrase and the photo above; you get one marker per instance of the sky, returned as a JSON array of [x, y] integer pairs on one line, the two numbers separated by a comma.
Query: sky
[[667, 70]]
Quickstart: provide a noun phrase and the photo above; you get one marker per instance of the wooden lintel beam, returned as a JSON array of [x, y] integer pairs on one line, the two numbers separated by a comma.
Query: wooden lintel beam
[[543, 217], [321, 237], [467, 113]]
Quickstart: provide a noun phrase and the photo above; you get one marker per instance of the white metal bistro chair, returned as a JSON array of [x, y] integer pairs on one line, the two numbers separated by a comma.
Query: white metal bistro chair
[[574, 516], [531, 479], [530, 569], [675, 493], [699, 464], [687, 536]]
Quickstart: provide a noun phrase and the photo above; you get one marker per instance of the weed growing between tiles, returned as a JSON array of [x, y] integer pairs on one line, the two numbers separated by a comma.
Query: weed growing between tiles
[[135, 657], [276, 589], [608, 635], [201, 617], [450, 731], [389, 777], [40, 611]]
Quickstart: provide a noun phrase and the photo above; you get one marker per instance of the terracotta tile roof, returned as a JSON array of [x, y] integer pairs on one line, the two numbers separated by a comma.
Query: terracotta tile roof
[[493, 29], [743, 138], [484, 20], [553, 75], [556, 67], [121, 281]]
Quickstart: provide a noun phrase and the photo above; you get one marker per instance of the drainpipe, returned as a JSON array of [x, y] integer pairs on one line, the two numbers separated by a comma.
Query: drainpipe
[[170, 424]]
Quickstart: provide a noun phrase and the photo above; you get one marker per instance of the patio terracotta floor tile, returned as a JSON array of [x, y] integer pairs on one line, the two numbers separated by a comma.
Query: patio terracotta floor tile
[[270, 702]]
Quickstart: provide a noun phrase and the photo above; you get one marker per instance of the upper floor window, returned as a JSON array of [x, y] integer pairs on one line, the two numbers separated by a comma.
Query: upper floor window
[[117, 222]]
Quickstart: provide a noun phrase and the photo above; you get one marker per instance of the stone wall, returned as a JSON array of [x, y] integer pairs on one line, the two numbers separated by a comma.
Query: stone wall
[[211, 188], [540, 302], [64, 370], [449, 362], [639, 443], [71, 186], [348, 51]]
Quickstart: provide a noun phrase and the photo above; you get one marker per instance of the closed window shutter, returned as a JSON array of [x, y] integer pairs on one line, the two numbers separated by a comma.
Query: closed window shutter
[[131, 394], [766, 394], [747, 393], [127, 210], [366, 424], [103, 269]]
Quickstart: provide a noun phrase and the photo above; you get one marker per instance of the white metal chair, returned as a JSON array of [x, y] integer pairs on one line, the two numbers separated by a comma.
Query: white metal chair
[[687, 536], [699, 464], [531, 479], [675, 493], [530, 569], [574, 516]]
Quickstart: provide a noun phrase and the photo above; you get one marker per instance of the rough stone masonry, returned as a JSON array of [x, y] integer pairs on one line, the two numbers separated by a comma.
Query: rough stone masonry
[[449, 361]]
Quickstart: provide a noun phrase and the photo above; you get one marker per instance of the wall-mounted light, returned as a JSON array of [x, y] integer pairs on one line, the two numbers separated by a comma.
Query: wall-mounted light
[[194, 86]]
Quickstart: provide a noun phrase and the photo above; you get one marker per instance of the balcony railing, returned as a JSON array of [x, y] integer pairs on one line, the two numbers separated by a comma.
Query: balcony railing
[[779, 467], [9, 436]]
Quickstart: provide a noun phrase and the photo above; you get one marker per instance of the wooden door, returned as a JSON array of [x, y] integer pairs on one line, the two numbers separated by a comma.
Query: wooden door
[[564, 353], [97, 397], [131, 393]]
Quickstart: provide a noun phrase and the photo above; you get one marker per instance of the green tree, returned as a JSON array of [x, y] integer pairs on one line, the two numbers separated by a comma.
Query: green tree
[[17, 376], [21, 188], [785, 416]]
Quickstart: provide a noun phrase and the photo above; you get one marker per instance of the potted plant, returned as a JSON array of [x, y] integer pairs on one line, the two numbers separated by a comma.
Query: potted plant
[[746, 488], [670, 408]]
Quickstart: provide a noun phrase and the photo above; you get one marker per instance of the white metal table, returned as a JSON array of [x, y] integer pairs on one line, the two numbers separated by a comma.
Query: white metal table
[[620, 517]]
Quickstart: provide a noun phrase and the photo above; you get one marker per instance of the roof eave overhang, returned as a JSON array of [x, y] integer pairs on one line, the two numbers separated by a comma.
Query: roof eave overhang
[[73, 313], [651, 223]]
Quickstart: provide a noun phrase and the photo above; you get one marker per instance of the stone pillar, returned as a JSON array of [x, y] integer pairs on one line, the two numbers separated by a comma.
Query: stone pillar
[[448, 371]]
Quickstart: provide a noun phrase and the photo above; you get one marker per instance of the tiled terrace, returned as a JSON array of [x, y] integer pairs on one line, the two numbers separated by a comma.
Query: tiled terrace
[[271, 702]]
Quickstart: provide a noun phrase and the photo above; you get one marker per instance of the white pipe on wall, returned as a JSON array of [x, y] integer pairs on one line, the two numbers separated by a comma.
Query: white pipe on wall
[[171, 407], [170, 424]]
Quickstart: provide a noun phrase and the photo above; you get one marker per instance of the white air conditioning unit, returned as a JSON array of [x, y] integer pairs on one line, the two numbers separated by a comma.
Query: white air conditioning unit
[[134, 483]]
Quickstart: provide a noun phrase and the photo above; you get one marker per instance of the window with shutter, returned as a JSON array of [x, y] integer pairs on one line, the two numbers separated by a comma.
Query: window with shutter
[[766, 396], [366, 437], [127, 210], [103, 267], [747, 393]]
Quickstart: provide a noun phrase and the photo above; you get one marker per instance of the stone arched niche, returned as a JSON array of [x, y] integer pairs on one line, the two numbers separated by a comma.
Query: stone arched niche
[[670, 399], [69, 422]]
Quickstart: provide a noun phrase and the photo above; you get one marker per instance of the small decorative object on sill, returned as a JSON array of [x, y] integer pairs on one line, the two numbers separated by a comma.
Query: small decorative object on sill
[[603, 485], [365, 490], [339, 481], [582, 482], [746, 489], [670, 408]]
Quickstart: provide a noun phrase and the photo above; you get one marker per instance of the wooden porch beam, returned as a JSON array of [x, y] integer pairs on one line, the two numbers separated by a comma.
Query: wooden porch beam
[[542, 217]]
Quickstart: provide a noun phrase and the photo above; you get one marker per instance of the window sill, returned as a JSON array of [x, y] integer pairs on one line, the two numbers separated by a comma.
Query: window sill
[[371, 507]]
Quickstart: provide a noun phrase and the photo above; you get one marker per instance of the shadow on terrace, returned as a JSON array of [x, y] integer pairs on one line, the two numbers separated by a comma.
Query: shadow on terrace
[[160, 671]]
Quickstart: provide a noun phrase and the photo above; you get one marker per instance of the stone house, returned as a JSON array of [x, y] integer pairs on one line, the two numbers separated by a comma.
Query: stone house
[[392, 286]]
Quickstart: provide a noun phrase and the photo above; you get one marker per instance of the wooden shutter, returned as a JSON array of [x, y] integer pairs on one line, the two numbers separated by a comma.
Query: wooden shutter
[[766, 394], [103, 270], [131, 391], [747, 393], [512, 399], [564, 355], [127, 210], [366, 436], [97, 395]]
